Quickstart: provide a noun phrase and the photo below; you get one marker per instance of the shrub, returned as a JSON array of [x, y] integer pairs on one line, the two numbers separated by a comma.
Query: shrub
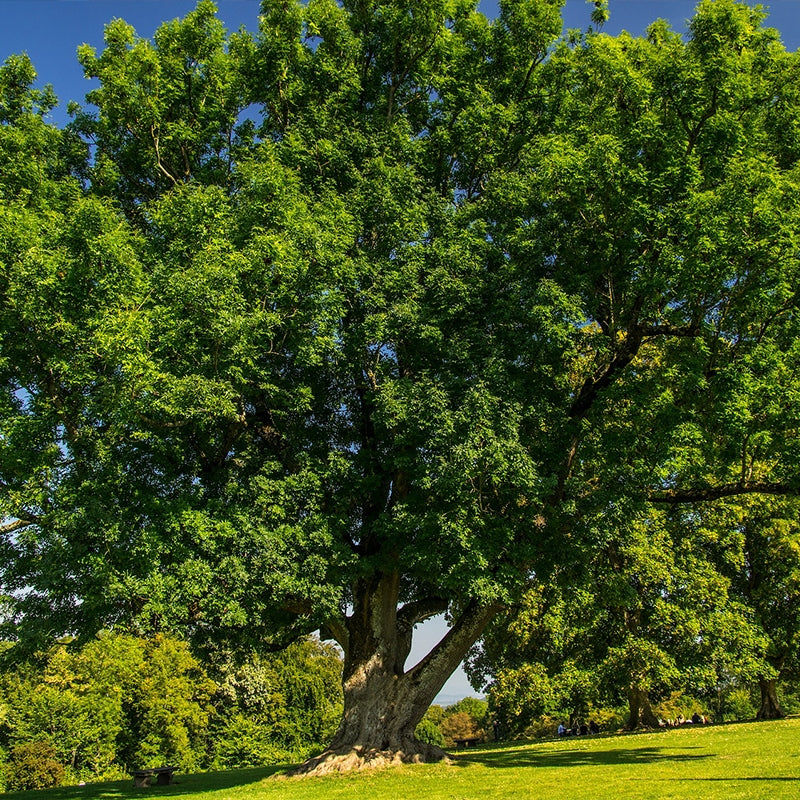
[[460, 726], [244, 742], [542, 728], [275, 706], [169, 706], [71, 699], [477, 709], [738, 705], [428, 731], [34, 766], [436, 714], [519, 696], [789, 696]]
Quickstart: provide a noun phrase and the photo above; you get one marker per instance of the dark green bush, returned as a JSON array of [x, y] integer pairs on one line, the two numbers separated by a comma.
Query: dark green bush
[[428, 731], [33, 766]]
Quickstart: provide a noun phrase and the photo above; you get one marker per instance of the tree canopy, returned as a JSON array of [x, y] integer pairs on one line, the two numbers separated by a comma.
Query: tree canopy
[[380, 312]]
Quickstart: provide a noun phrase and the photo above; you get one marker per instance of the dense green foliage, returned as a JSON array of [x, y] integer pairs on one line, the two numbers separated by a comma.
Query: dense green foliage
[[123, 702], [276, 708], [684, 611], [34, 766], [689, 610], [386, 310], [757, 547], [466, 719], [649, 614]]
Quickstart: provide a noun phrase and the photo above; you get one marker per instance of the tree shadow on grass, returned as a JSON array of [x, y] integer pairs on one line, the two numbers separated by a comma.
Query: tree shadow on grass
[[514, 758], [184, 785]]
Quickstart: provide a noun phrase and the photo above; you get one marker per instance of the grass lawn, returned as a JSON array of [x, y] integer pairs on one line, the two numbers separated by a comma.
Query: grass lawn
[[747, 760]]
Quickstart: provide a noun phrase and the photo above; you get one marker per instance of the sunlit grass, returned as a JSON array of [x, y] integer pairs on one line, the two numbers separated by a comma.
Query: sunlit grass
[[749, 761]]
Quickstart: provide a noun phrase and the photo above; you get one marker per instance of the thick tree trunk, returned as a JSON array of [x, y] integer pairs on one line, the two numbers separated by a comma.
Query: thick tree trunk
[[640, 714], [770, 707], [383, 704]]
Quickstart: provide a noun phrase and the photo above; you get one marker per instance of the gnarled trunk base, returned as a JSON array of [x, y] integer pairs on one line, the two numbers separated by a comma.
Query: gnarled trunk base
[[381, 713], [347, 759], [384, 702]]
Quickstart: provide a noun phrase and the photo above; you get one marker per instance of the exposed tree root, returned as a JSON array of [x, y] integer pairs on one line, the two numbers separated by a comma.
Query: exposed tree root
[[360, 758], [770, 712]]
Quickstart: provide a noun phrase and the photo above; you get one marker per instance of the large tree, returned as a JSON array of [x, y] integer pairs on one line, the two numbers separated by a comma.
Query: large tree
[[357, 320]]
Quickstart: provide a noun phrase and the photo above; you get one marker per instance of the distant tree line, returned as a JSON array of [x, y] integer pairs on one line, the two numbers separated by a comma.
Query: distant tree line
[[123, 701]]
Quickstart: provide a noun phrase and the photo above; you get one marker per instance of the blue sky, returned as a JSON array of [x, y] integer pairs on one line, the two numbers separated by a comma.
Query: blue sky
[[51, 30]]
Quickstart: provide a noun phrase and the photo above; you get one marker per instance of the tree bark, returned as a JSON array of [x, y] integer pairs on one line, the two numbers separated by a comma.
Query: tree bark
[[383, 704], [640, 714], [770, 707]]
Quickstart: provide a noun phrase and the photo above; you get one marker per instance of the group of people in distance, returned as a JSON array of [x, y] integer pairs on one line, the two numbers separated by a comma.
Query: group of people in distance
[[696, 719], [578, 730]]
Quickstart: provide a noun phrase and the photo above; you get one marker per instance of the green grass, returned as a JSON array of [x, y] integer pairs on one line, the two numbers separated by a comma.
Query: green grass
[[752, 760]]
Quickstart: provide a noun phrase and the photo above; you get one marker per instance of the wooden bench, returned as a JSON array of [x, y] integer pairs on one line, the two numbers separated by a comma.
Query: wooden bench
[[144, 777], [471, 742]]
